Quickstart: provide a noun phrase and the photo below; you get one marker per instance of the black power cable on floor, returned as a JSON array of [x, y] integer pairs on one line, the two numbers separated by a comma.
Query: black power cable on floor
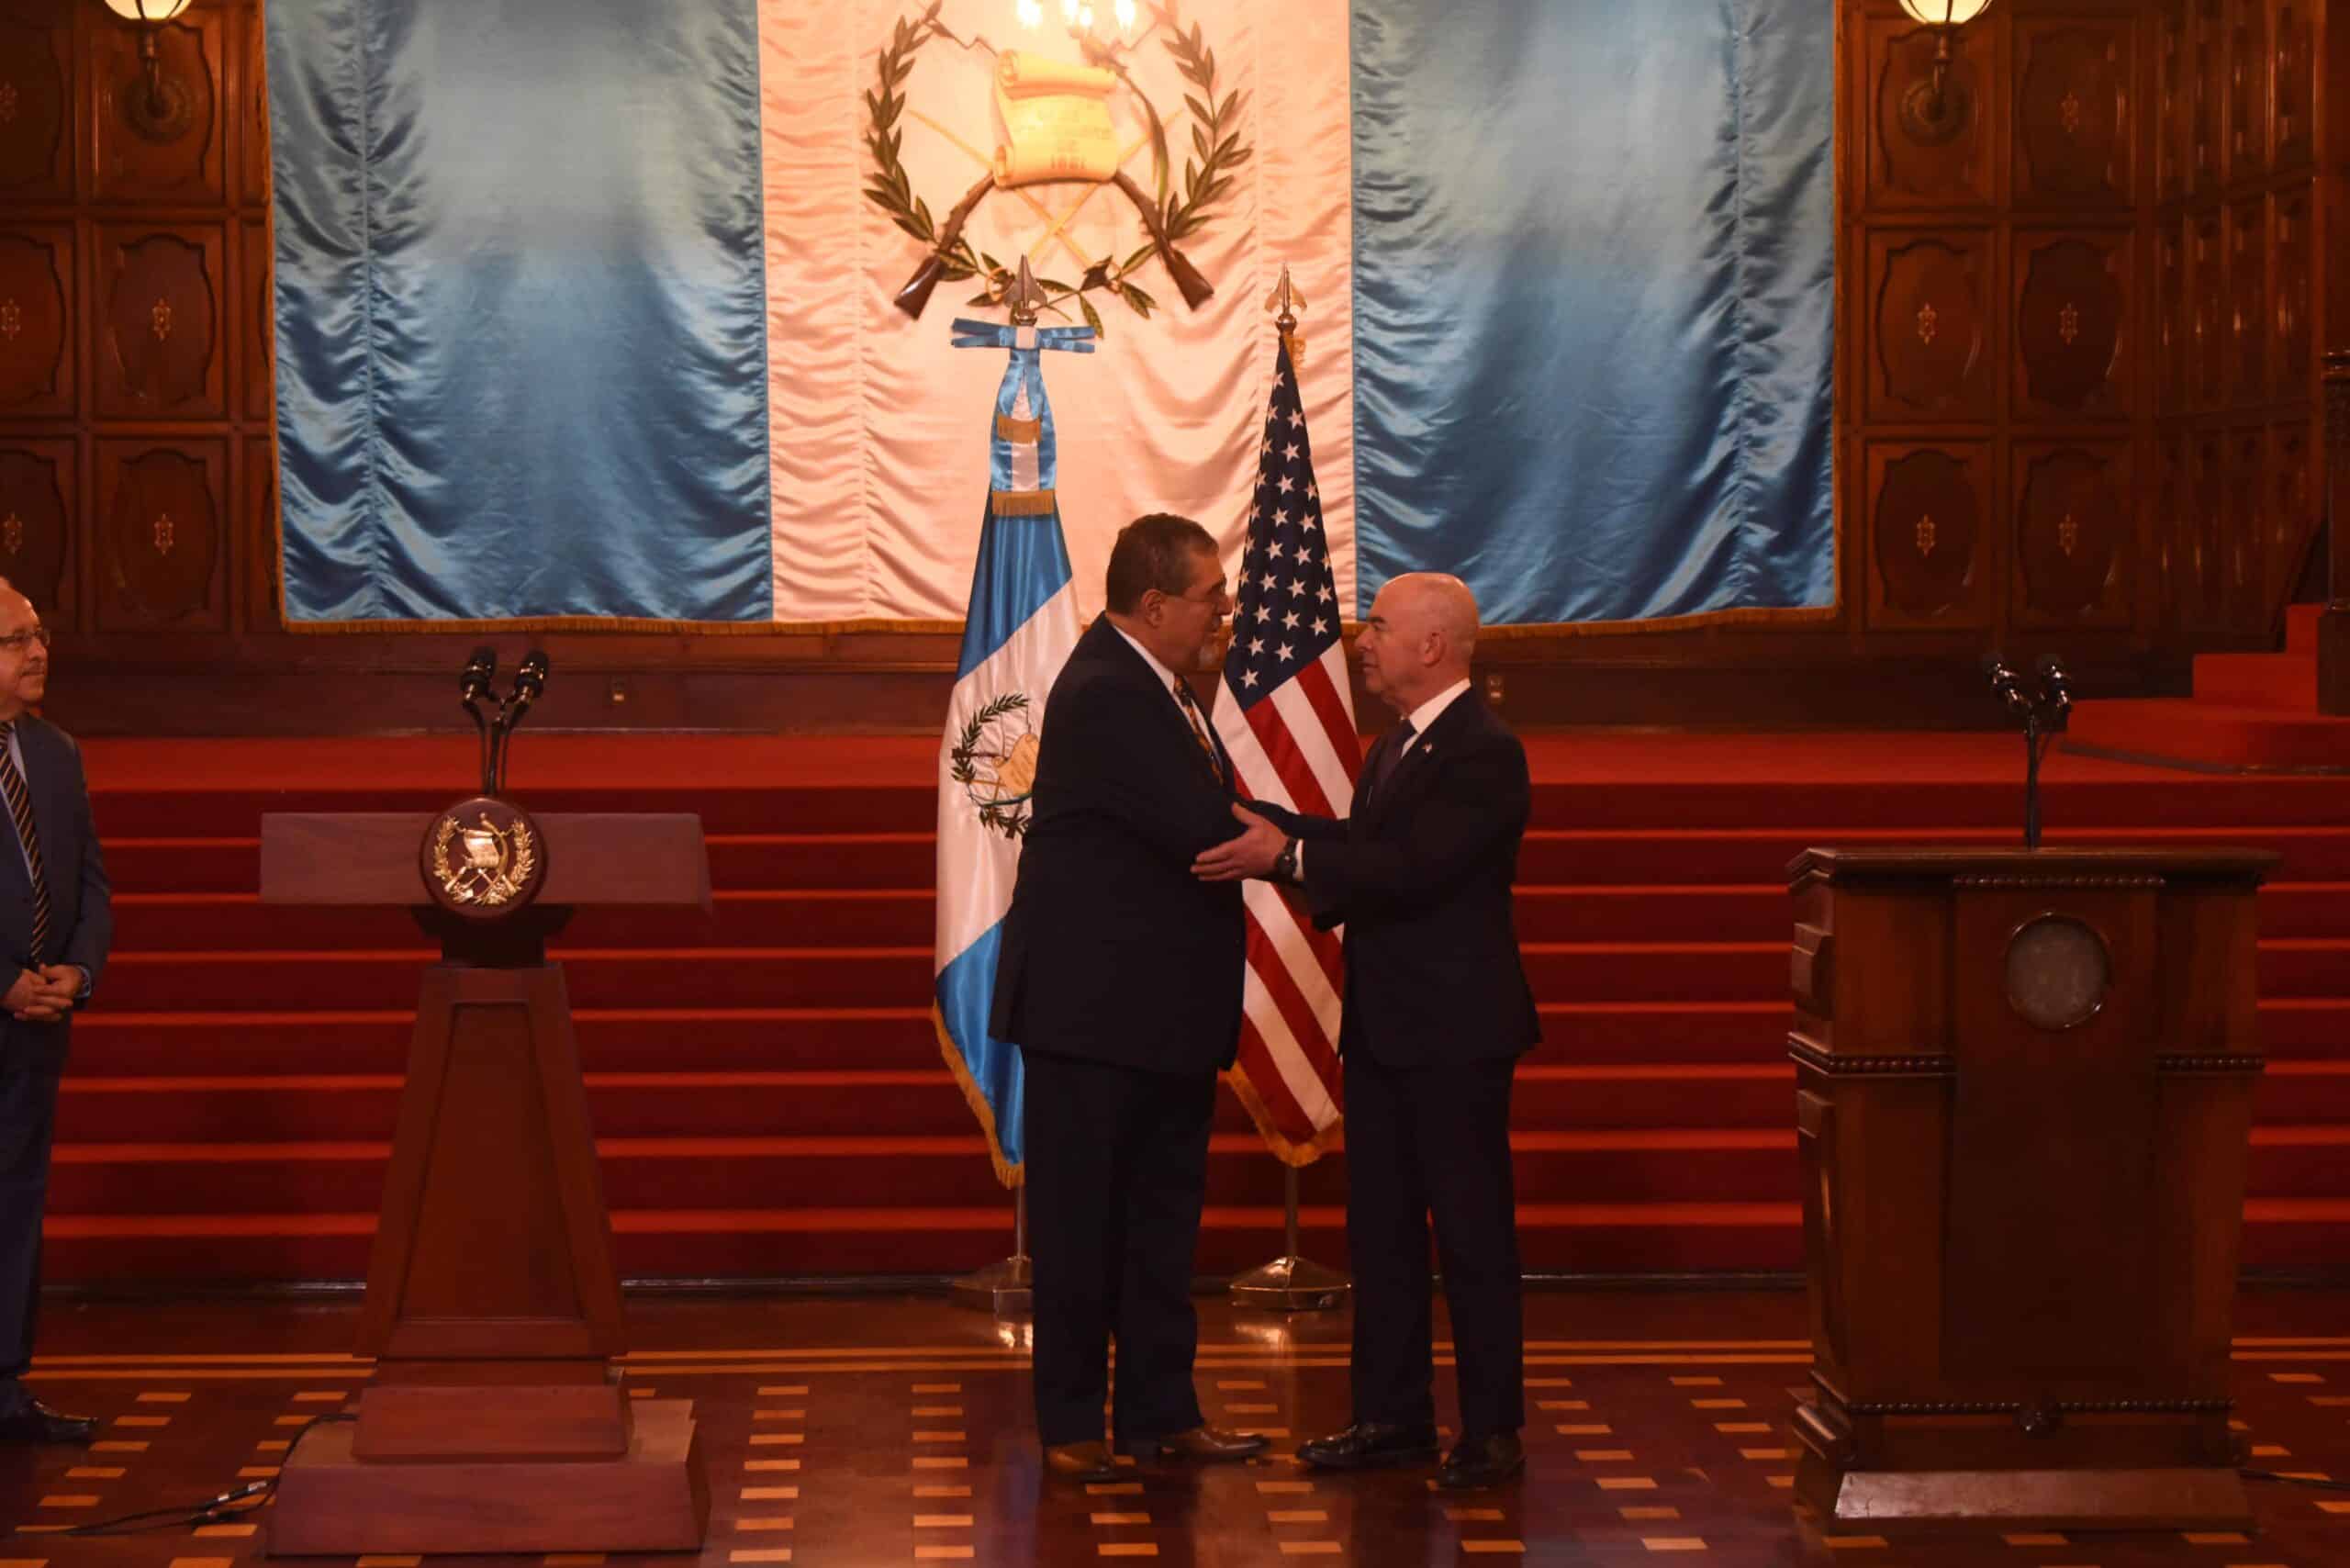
[[227, 1507]]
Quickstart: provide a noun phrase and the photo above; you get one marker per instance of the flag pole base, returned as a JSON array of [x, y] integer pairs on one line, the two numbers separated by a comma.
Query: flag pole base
[[1003, 1289], [1292, 1284]]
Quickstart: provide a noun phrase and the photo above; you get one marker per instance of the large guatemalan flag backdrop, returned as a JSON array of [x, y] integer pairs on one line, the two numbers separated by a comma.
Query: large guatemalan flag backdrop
[[586, 309]]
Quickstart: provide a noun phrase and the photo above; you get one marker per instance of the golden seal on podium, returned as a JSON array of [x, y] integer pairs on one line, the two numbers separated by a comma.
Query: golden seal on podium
[[484, 858]]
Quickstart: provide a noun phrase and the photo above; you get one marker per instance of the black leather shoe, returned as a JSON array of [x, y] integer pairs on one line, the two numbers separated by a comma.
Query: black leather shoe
[[1208, 1445], [1369, 1445], [1482, 1462], [34, 1422], [1080, 1462]]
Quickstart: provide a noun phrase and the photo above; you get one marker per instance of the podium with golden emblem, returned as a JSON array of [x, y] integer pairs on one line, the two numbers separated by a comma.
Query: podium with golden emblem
[[495, 1422]]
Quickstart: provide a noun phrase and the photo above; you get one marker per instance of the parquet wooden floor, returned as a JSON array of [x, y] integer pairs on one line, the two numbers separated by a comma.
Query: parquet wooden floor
[[896, 1430]]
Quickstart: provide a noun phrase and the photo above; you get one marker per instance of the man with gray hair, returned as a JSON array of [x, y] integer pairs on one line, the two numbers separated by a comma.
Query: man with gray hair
[[1437, 1010], [56, 921]]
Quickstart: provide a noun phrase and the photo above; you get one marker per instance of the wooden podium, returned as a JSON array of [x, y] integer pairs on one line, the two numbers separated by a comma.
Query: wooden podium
[[2023, 1096], [495, 1422]]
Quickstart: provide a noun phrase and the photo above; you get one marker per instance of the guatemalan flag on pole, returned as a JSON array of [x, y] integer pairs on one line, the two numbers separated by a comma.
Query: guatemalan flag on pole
[[1022, 623], [1286, 714]]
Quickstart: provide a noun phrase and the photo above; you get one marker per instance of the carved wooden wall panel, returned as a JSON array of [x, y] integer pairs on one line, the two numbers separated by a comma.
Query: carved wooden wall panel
[[2292, 143], [2206, 310], [2072, 306], [2172, 95], [1906, 173], [253, 99], [2291, 501], [2250, 526], [2289, 314], [2172, 329], [1930, 327], [157, 352], [36, 321], [2075, 130], [1926, 536], [2248, 67], [2202, 83], [2175, 567], [35, 107], [2248, 325], [256, 317], [37, 521], [190, 168], [160, 507], [2075, 522], [258, 547]]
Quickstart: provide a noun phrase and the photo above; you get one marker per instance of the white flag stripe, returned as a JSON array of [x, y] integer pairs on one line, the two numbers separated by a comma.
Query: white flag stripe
[[1275, 919], [1311, 738], [977, 863], [1249, 763], [1298, 1078]]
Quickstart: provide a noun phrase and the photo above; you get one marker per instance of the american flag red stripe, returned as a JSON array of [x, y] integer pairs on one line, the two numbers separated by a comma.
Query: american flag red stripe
[[1286, 720]]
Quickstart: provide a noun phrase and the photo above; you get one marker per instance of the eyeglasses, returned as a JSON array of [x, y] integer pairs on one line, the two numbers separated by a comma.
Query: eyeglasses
[[17, 642]]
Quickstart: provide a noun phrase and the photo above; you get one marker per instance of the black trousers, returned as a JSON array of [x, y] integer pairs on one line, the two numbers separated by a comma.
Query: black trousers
[[27, 1115], [1117, 1165], [1423, 1142]]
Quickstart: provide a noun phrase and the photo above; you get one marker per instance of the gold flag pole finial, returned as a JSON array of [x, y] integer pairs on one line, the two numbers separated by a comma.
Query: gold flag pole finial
[[1285, 302]]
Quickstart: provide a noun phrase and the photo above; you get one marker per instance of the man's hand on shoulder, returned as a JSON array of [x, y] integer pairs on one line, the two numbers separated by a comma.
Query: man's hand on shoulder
[[1251, 853]]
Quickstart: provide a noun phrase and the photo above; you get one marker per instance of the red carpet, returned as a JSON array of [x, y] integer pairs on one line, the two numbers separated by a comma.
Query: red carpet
[[2251, 712], [766, 1083]]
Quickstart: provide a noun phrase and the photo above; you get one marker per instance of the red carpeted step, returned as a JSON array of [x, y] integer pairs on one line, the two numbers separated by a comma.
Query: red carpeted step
[[2303, 965], [2301, 627], [896, 806], [754, 1172], [2305, 1026], [184, 865], [593, 977], [2196, 732], [849, 917], [108, 1043], [2288, 680], [359, 1106]]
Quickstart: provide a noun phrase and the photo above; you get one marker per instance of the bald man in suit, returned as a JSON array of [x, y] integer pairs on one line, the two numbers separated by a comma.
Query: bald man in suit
[[1436, 1013]]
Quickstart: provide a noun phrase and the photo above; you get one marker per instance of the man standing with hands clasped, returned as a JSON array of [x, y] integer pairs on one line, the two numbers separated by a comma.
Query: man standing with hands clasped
[[1437, 1010], [55, 924]]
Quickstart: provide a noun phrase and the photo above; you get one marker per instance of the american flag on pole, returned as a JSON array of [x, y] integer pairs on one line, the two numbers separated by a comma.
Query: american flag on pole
[[1286, 716]]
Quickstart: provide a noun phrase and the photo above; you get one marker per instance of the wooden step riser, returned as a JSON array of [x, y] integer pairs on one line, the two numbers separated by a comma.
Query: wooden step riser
[[1548, 858], [911, 806], [258, 1113], [148, 982], [927, 1179], [115, 1045], [1630, 1245], [1722, 912]]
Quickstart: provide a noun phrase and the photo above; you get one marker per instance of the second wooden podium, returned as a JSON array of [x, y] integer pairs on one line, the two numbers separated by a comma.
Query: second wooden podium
[[495, 1422], [2023, 1097]]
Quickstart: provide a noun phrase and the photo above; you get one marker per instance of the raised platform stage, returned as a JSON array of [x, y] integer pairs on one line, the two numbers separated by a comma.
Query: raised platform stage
[[766, 1086]]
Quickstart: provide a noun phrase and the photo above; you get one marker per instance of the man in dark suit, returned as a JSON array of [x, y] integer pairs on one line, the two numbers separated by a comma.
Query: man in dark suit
[[1120, 981], [1437, 1010], [55, 924]]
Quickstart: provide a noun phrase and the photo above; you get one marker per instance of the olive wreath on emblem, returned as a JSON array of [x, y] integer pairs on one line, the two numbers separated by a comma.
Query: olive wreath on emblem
[[1216, 152], [1006, 816], [492, 890]]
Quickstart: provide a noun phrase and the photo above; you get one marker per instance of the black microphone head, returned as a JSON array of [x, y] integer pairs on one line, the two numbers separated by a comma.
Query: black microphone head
[[473, 682], [532, 676], [2052, 670]]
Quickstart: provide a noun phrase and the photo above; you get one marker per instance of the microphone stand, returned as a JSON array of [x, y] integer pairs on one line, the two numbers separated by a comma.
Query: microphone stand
[[2043, 705]]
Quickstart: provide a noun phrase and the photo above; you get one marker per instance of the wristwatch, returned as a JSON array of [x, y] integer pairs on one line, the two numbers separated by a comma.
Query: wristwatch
[[1285, 863]]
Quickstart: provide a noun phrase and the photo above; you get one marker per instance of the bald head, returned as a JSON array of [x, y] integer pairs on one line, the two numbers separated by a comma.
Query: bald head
[[24, 654], [1419, 639]]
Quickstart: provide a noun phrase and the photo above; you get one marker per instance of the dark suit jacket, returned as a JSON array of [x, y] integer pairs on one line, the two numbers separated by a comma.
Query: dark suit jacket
[[81, 913], [1420, 876], [1113, 951]]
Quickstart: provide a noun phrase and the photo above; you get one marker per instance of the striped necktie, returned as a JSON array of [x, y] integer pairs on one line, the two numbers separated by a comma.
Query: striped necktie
[[1191, 706], [21, 812]]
